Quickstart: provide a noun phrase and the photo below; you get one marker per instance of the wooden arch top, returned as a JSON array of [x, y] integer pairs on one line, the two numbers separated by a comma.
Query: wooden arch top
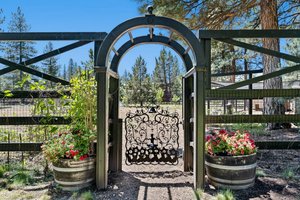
[[150, 21]]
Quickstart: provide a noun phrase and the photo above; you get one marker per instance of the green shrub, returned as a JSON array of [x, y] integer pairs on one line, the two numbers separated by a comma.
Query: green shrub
[[3, 169], [288, 173], [255, 128], [22, 178]]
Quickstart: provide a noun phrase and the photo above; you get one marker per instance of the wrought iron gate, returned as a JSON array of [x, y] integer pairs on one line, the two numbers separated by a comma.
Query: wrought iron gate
[[151, 137]]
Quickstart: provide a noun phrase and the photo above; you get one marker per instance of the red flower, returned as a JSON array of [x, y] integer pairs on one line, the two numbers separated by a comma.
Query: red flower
[[222, 131], [83, 157], [208, 137], [74, 153]]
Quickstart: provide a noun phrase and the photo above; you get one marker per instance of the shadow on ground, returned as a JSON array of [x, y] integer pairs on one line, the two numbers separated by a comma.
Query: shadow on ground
[[126, 185], [265, 188]]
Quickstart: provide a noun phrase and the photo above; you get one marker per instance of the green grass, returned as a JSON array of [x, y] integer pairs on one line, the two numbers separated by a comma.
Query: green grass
[[198, 194], [260, 173], [225, 195], [288, 173], [253, 128], [88, 195]]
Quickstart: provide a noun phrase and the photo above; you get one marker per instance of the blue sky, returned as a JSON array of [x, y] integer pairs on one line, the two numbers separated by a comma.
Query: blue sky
[[80, 16]]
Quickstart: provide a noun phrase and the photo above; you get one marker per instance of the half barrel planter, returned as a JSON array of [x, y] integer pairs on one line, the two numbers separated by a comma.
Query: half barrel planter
[[73, 175], [232, 172]]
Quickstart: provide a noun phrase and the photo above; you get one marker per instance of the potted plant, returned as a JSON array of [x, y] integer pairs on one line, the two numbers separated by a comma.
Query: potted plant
[[70, 150], [230, 159], [73, 163]]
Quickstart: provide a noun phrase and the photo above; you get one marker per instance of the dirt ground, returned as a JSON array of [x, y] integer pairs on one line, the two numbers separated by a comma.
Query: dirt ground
[[278, 178]]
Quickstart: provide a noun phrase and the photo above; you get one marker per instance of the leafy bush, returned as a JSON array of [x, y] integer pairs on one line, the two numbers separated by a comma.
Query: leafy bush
[[3, 169], [75, 142], [22, 178]]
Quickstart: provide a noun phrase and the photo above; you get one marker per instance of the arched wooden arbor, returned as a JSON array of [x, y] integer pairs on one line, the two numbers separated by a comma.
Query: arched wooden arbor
[[109, 155], [196, 86]]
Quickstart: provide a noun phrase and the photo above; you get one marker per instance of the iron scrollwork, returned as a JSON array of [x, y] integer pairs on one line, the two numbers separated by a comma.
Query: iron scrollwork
[[152, 138]]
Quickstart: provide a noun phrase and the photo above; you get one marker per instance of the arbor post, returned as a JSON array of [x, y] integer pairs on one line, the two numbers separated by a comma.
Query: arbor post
[[199, 127], [102, 127]]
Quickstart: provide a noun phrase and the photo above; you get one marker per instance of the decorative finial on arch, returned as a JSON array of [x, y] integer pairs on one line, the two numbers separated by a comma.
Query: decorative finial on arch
[[150, 9]]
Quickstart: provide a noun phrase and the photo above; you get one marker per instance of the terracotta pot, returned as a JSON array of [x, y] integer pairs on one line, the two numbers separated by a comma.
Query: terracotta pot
[[74, 175], [233, 172]]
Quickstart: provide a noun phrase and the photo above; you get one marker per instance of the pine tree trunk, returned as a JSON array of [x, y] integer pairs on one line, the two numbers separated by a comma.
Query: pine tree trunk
[[297, 105], [269, 20]]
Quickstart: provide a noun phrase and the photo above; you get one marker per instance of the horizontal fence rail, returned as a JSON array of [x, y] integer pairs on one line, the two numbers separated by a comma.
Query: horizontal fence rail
[[20, 146], [83, 36], [252, 118], [274, 74], [208, 34], [34, 120], [33, 94], [278, 144], [251, 94], [237, 73]]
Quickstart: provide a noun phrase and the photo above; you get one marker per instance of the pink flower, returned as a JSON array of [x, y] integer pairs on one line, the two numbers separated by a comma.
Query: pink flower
[[223, 142]]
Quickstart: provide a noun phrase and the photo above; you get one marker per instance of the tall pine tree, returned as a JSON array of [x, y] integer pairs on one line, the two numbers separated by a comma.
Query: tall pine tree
[[124, 87], [1, 29], [71, 68], [18, 51], [138, 87], [50, 65], [1, 19], [269, 20], [65, 73], [89, 64], [165, 75], [3, 85]]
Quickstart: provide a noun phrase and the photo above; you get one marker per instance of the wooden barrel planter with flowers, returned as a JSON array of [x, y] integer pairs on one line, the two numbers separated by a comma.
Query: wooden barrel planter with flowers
[[233, 172], [230, 159], [73, 175]]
